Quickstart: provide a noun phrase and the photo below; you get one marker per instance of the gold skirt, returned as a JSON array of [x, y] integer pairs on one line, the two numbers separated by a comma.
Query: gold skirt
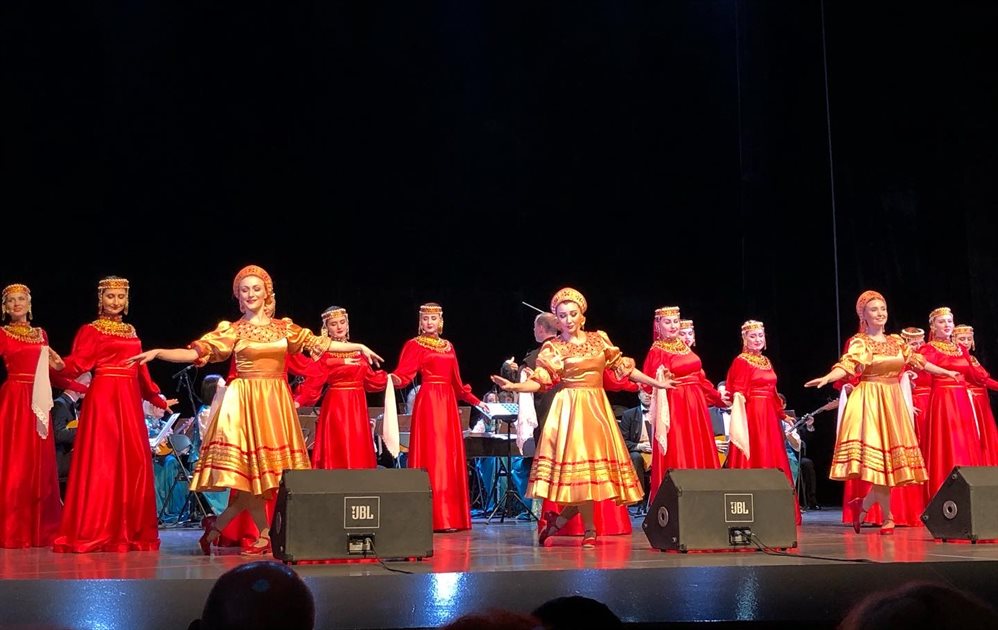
[[252, 440], [876, 440], [581, 455]]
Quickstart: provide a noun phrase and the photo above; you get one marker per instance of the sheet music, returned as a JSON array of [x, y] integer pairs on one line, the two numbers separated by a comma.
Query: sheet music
[[163, 432]]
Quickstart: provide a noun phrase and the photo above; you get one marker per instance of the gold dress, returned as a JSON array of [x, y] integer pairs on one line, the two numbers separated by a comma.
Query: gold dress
[[581, 455], [876, 439], [255, 435]]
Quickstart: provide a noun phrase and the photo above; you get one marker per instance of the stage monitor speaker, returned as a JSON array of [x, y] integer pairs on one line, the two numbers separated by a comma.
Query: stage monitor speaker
[[340, 514], [713, 510], [966, 506]]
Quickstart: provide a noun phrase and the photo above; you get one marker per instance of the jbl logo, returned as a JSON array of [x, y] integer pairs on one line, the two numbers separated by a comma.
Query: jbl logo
[[738, 508], [361, 512]]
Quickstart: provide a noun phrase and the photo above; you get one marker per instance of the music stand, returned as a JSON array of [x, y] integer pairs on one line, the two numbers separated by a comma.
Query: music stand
[[194, 504], [508, 413]]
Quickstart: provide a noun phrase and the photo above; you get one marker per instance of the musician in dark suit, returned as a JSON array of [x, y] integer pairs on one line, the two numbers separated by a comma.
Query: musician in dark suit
[[64, 415], [635, 426]]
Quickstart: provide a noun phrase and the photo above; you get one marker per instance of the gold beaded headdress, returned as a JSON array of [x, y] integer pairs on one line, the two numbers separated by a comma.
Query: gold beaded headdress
[[685, 324], [865, 297], [667, 311], [942, 310], [431, 308], [259, 272], [15, 288], [112, 282], [334, 312], [568, 294], [911, 333], [964, 329], [752, 324]]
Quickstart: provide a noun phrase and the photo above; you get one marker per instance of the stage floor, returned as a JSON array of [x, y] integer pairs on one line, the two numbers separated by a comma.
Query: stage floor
[[498, 565]]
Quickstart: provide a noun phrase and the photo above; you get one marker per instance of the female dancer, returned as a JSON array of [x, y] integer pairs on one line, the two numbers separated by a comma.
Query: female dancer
[[581, 456], [951, 428], [876, 438], [29, 496], [757, 438], [343, 437], [255, 434], [978, 388], [110, 498], [687, 333], [436, 439], [690, 434]]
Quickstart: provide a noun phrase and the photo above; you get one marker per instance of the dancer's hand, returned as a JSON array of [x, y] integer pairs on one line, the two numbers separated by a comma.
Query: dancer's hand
[[372, 357], [817, 382], [504, 384], [143, 358]]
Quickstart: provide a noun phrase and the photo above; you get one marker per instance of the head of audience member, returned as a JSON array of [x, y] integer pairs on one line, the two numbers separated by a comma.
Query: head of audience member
[[258, 596], [576, 611], [722, 387], [920, 605], [494, 620], [545, 327], [491, 396]]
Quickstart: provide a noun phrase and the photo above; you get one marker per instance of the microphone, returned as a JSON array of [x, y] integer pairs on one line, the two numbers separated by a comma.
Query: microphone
[[189, 367]]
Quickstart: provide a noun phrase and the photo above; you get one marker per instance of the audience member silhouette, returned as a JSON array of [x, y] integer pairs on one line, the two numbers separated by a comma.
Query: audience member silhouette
[[258, 596], [574, 612], [494, 620], [920, 605]]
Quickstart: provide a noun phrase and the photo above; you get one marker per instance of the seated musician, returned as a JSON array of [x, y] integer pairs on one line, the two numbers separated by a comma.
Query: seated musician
[[635, 426], [166, 467], [720, 419]]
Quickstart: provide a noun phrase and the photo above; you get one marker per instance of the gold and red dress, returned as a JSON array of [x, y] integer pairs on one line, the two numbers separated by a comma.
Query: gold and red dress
[[952, 437], [30, 507], [343, 437], [978, 388], [581, 455], [691, 434], [110, 497], [436, 438], [876, 439], [255, 435]]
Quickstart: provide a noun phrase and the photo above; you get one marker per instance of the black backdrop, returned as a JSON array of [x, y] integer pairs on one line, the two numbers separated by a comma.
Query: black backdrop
[[380, 155]]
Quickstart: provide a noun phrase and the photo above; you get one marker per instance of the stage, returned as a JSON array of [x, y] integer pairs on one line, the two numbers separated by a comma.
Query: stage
[[497, 565]]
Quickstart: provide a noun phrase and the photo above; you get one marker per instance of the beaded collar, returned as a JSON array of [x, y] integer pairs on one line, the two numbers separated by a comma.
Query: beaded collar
[[758, 360], [672, 346], [946, 347], [114, 327], [433, 343], [24, 332]]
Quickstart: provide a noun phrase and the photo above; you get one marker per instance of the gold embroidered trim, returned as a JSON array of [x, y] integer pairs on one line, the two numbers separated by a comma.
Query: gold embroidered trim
[[758, 360], [672, 346], [114, 327], [24, 332], [433, 343], [593, 345], [946, 347]]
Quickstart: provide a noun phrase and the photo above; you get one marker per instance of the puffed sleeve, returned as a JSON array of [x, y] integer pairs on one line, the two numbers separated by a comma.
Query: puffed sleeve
[[911, 358], [550, 367], [654, 358], [461, 389], [314, 373], [83, 355], [215, 346], [857, 356], [615, 360], [375, 380], [304, 340], [409, 362]]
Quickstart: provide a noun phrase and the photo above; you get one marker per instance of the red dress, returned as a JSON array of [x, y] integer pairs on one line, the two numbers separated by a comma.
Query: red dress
[[752, 376], [110, 499], [951, 432], [29, 495], [691, 434], [982, 407], [436, 439], [343, 437]]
